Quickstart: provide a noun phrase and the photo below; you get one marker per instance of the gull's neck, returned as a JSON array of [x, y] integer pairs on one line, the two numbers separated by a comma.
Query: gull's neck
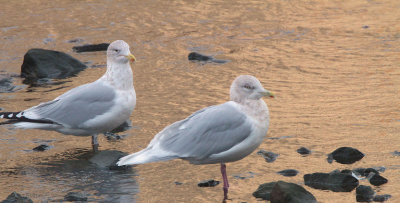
[[119, 75], [258, 109]]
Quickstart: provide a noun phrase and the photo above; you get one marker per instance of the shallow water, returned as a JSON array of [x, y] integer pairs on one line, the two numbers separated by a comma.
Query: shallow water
[[334, 66]]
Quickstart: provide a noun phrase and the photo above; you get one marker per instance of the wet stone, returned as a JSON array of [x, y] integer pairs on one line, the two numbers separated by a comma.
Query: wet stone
[[377, 180], [288, 172], [194, 56], [303, 151], [41, 63], [365, 171], [268, 156], [264, 191], [15, 197], [336, 182], [290, 193], [396, 153], [208, 183], [6, 85], [108, 159], [346, 171], [75, 196], [91, 47], [381, 198], [41, 148], [345, 155], [364, 193], [380, 169]]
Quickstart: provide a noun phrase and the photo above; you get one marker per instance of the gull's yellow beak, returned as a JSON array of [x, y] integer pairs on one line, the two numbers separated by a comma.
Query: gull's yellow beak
[[131, 57], [267, 93]]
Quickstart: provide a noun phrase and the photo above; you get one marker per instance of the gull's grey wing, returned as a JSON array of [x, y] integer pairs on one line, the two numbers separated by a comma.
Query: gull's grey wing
[[206, 132], [75, 106]]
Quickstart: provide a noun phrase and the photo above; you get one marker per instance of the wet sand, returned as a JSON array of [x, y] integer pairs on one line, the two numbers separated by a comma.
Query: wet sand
[[334, 66]]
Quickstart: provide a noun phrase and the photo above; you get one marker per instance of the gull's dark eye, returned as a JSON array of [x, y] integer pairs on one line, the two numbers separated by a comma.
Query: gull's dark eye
[[116, 50], [247, 86]]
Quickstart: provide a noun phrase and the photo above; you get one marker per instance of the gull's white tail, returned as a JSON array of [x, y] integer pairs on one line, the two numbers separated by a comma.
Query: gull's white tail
[[147, 155]]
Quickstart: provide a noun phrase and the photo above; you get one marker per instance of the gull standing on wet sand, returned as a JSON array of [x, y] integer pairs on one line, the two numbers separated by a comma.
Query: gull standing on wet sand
[[89, 109], [217, 134]]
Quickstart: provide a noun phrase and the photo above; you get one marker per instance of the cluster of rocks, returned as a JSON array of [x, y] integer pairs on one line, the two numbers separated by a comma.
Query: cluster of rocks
[[336, 181], [14, 197]]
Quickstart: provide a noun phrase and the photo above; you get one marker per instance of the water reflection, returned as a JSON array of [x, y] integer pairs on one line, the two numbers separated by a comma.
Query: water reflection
[[83, 171]]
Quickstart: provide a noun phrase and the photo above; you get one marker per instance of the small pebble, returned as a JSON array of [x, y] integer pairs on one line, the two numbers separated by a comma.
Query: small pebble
[[41, 148], [289, 172], [303, 151], [268, 156], [208, 183]]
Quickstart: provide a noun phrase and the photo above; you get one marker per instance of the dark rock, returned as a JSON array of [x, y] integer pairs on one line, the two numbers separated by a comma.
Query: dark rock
[[284, 192], [15, 197], [381, 198], [346, 155], [77, 40], [336, 182], [346, 171], [208, 183], [264, 191], [365, 171], [380, 169], [396, 153], [288, 172], [6, 85], [75, 196], [370, 170], [303, 151], [377, 180], [365, 26], [198, 57], [268, 156], [360, 171], [91, 47], [364, 193], [41, 63], [178, 183], [194, 56], [41, 148], [108, 159]]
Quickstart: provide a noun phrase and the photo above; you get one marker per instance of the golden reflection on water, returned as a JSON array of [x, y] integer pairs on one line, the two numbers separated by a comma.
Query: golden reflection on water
[[333, 66]]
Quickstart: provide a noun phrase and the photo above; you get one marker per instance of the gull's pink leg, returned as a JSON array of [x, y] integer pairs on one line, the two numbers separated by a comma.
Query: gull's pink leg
[[225, 178]]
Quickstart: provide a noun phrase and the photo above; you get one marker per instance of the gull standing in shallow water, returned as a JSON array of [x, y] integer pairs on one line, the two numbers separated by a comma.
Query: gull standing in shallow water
[[217, 134], [89, 109]]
